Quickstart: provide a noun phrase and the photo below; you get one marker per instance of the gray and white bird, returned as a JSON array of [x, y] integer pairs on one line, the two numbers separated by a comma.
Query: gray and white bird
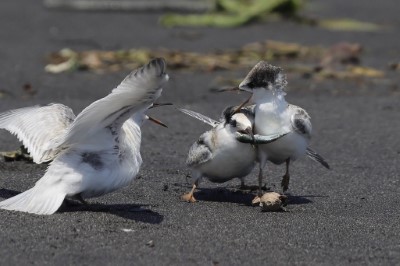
[[92, 154], [218, 155], [273, 115]]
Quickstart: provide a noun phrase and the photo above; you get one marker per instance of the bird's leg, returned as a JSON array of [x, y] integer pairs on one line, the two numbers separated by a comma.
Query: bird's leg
[[243, 184], [257, 199], [286, 177], [72, 200], [189, 196], [79, 198]]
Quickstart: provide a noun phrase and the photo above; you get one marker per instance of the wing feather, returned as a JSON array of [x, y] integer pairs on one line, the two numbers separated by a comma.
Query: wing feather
[[301, 121], [136, 92], [199, 152], [38, 127], [202, 118]]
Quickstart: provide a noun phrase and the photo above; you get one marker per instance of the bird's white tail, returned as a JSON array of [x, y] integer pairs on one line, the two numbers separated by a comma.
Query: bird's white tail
[[34, 200]]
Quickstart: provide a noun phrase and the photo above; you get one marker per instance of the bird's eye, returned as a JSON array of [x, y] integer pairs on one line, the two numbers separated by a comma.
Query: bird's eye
[[233, 123]]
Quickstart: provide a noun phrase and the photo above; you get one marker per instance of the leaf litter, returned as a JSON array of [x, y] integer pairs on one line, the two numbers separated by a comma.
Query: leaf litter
[[339, 61]]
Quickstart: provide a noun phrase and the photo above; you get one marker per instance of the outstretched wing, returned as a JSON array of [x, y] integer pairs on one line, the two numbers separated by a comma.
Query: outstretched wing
[[38, 127], [135, 93], [200, 117], [301, 121]]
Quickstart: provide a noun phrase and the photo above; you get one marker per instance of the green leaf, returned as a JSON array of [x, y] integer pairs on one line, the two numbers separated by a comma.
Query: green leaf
[[234, 13], [347, 25]]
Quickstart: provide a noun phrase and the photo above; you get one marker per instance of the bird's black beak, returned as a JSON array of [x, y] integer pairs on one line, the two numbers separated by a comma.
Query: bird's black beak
[[234, 89], [155, 121], [245, 88], [242, 105]]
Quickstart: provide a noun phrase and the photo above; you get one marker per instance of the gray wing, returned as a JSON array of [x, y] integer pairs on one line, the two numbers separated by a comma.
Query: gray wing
[[38, 127], [199, 152], [200, 117], [301, 121]]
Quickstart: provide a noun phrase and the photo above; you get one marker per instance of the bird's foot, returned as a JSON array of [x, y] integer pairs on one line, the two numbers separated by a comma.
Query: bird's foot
[[188, 197], [79, 198]]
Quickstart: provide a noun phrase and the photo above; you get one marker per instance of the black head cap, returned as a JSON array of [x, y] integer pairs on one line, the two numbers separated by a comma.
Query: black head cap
[[262, 75], [228, 113]]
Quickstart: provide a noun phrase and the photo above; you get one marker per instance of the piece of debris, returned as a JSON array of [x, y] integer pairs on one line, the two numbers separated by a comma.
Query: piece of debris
[[150, 243], [340, 61], [342, 53], [65, 60], [394, 66], [272, 202], [28, 90], [21, 154], [165, 187], [5, 93], [127, 230]]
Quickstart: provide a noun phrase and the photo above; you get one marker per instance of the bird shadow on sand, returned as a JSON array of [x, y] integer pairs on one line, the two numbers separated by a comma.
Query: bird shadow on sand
[[136, 212], [8, 193], [243, 197], [304, 199], [224, 195]]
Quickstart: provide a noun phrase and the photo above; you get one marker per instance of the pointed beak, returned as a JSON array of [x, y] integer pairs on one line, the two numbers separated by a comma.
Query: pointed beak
[[234, 89], [155, 121], [154, 105], [242, 105], [245, 88]]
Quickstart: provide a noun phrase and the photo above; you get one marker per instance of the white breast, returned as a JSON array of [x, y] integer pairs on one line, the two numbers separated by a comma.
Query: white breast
[[230, 158], [272, 118]]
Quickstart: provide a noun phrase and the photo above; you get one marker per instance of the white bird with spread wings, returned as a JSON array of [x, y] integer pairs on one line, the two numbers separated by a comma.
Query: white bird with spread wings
[[92, 154]]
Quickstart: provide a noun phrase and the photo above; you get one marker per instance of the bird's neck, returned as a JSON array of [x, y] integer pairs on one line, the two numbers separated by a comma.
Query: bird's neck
[[271, 99]]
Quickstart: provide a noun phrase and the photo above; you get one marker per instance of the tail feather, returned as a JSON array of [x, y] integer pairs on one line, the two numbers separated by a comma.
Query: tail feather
[[313, 155], [34, 201]]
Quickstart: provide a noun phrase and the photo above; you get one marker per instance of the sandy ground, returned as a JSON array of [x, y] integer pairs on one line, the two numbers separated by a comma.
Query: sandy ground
[[348, 215]]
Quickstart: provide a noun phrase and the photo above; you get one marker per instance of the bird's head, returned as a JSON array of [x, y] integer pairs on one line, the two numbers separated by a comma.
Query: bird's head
[[238, 121], [264, 78]]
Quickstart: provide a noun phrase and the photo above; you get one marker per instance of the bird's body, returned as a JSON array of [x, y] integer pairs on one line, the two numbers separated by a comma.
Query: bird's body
[[273, 115], [276, 116], [218, 155], [92, 154]]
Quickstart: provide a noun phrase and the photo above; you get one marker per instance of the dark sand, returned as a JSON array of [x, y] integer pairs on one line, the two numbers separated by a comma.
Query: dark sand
[[349, 215]]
